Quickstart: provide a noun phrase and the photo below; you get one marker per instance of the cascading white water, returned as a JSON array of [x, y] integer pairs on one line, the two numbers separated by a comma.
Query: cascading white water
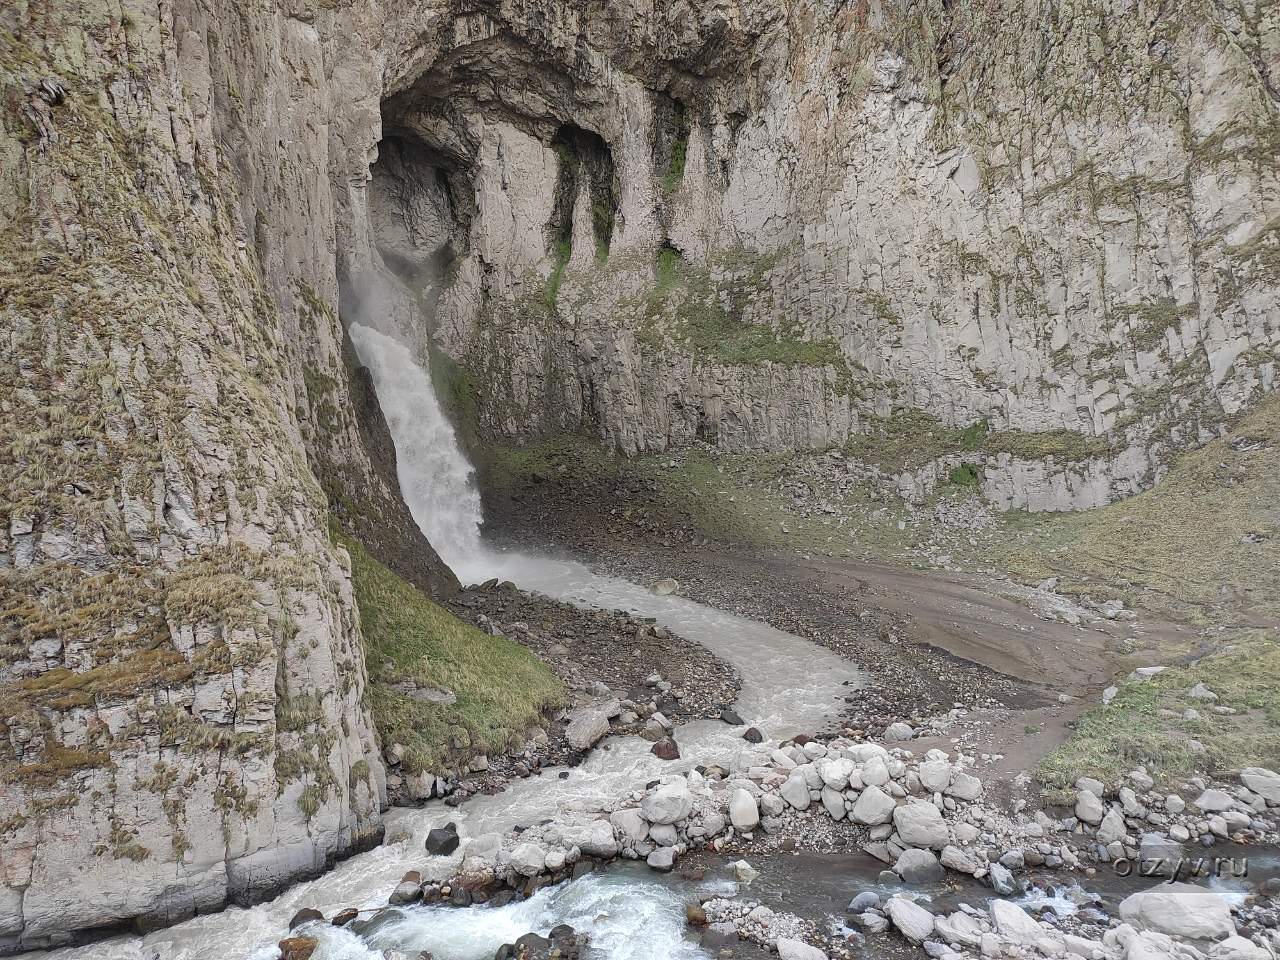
[[435, 477]]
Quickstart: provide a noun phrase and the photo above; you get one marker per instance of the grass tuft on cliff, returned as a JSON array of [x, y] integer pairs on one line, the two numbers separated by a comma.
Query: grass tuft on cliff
[[502, 689]]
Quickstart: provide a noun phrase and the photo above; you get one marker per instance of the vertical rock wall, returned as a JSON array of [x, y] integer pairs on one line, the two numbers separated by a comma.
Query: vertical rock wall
[[1045, 216], [182, 720]]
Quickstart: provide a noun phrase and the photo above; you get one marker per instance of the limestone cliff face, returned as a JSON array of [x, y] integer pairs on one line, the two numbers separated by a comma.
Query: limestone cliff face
[[770, 226], [763, 225], [182, 721]]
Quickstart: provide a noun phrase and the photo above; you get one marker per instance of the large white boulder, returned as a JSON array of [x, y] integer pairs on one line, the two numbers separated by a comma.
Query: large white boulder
[[1179, 910], [744, 814], [1015, 924], [912, 920], [528, 859], [588, 724], [796, 792], [935, 775], [1265, 783], [872, 807], [669, 803], [630, 824], [921, 825], [1089, 808], [789, 949], [835, 773], [1112, 827]]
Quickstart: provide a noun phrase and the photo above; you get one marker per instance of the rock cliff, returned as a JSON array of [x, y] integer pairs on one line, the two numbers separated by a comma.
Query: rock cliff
[[772, 227], [182, 714], [764, 225]]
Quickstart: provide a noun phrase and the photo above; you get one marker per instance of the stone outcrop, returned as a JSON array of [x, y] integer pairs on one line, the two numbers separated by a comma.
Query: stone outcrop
[[182, 717], [771, 229]]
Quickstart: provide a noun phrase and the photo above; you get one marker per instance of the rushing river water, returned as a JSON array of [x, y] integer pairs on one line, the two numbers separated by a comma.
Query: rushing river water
[[789, 686]]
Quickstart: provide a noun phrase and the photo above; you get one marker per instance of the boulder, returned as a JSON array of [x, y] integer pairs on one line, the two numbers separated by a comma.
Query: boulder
[[789, 949], [528, 859], [730, 716], [669, 803], [899, 731], [1001, 879], [406, 892], [873, 806], [835, 773], [752, 735], [833, 801], [666, 586], [588, 724], [305, 915], [953, 858], [744, 872], [1112, 827], [1089, 808], [959, 929], [935, 775], [442, 841], [1265, 783], [666, 749], [630, 824], [298, 948], [910, 919], [919, 866], [1015, 924], [744, 813], [796, 791], [867, 900], [662, 859], [1214, 801], [964, 786], [1179, 910], [921, 825]]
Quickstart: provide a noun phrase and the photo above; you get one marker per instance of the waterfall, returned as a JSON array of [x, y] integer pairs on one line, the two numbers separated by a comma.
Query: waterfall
[[436, 480]]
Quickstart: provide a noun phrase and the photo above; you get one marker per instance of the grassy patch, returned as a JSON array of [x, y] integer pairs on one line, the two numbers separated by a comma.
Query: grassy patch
[[1132, 730], [502, 690], [1184, 548], [707, 314], [911, 438]]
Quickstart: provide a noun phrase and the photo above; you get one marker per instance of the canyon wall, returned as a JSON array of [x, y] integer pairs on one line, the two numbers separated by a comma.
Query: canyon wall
[[756, 225], [182, 715], [772, 227]]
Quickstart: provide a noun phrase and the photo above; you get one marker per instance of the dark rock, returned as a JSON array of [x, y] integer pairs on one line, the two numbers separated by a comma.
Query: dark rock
[[561, 942], [694, 915], [405, 893], [298, 948], [582, 868], [716, 940], [442, 841], [305, 915], [730, 716], [666, 749], [460, 897], [343, 917], [502, 898], [752, 735]]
